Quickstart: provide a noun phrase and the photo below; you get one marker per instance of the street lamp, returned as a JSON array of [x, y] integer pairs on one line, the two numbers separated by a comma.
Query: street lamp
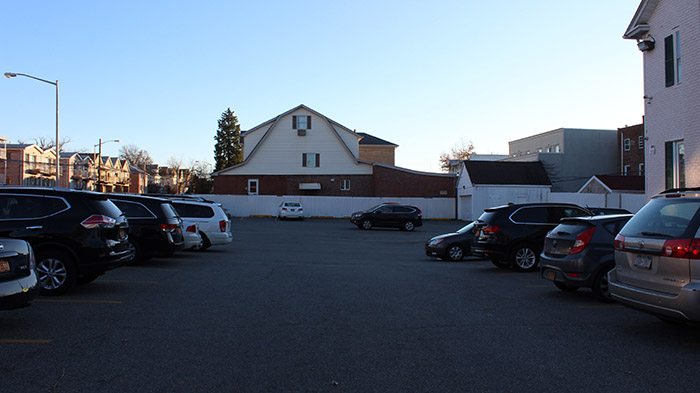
[[99, 159], [58, 157]]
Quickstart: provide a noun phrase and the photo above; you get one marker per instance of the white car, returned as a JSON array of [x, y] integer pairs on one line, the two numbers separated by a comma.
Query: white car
[[193, 239], [214, 224], [290, 209]]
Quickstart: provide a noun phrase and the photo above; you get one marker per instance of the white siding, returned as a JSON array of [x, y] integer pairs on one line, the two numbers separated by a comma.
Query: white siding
[[280, 152], [673, 113]]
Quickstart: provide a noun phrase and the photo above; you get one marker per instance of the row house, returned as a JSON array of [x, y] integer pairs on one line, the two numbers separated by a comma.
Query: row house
[[28, 165], [113, 175]]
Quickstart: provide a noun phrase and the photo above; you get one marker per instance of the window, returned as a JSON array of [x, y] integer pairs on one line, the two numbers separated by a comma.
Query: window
[[190, 210], [301, 122], [311, 160], [627, 144], [252, 186], [30, 206], [675, 164], [672, 59], [640, 142], [556, 149], [626, 170], [133, 209], [641, 169], [345, 185]]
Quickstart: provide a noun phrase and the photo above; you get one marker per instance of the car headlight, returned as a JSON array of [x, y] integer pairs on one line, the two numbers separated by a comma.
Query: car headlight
[[435, 242]]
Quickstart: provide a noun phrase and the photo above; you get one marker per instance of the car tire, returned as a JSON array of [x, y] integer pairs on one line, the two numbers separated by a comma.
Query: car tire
[[500, 264], [138, 252], [525, 257], [565, 287], [366, 224], [205, 242], [454, 252], [408, 226], [56, 271], [600, 288]]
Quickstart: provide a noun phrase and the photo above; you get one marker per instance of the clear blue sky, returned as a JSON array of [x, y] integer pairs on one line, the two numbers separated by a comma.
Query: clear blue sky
[[423, 75]]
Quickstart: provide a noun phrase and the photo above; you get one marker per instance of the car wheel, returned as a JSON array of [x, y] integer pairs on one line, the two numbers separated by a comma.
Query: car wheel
[[366, 224], [565, 287], [56, 271], [138, 252], [601, 289], [500, 264], [205, 242], [525, 257], [455, 252], [408, 226]]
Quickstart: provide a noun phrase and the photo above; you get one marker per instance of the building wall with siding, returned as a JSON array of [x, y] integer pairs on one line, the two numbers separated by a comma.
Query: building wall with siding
[[673, 113]]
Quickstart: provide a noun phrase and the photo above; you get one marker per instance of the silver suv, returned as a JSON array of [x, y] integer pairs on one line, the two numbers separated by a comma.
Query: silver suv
[[657, 258]]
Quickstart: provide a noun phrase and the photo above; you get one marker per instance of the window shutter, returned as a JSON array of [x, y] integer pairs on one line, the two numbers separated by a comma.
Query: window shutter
[[669, 165], [318, 160], [668, 58], [308, 122], [294, 122], [303, 159]]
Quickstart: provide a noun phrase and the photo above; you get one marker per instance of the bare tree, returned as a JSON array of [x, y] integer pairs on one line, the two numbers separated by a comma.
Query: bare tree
[[135, 156], [460, 151], [175, 165], [47, 143]]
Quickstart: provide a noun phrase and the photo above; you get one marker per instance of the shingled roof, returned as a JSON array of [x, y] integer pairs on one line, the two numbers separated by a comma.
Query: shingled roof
[[367, 139], [507, 173], [619, 183]]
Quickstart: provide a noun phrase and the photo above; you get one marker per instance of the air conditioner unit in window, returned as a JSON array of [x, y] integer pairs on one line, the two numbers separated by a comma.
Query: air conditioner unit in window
[[301, 132]]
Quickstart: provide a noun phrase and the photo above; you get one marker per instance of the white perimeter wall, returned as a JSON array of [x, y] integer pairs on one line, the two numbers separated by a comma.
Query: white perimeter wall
[[432, 208], [338, 207]]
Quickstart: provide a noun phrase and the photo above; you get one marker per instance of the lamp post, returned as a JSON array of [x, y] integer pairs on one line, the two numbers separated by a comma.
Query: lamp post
[[58, 157], [99, 159]]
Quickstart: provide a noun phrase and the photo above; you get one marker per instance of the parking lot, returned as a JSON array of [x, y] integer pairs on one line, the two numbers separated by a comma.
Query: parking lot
[[319, 305]]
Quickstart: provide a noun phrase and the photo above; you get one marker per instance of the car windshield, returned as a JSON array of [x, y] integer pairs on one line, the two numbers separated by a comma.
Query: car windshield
[[373, 208], [663, 217], [466, 228]]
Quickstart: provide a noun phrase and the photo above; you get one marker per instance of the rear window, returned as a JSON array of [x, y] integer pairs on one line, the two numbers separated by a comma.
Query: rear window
[[535, 215], [29, 206], [133, 209], [572, 227], [169, 210], [195, 211], [107, 208], [664, 217], [292, 204]]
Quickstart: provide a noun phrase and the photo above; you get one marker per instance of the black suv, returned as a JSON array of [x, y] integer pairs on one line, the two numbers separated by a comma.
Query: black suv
[[76, 235], [155, 226], [513, 235], [404, 217]]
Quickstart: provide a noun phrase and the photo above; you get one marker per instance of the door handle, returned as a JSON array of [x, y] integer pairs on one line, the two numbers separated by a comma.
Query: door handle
[[35, 227]]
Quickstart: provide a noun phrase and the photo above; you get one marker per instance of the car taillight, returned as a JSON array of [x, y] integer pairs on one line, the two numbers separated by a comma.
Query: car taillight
[[98, 221], [192, 229], [619, 243], [582, 241], [222, 225], [490, 230], [168, 227], [284, 209], [681, 248]]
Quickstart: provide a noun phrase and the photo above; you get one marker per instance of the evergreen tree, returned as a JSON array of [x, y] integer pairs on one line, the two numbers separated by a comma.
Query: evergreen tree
[[227, 151]]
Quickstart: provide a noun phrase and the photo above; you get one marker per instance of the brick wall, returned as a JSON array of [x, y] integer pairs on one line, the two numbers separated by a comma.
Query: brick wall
[[390, 182], [360, 185], [383, 154], [635, 155]]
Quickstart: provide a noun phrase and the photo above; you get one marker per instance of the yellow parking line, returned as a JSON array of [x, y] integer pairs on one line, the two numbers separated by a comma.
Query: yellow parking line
[[15, 341], [130, 282], [77, 301], [603, 307]]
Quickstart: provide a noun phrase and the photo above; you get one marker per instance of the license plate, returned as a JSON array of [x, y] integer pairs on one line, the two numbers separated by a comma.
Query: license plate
[[642, 261], [4, 266], [550, 275]]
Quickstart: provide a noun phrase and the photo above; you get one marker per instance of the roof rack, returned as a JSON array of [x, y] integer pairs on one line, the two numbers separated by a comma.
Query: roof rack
[[677, 190]]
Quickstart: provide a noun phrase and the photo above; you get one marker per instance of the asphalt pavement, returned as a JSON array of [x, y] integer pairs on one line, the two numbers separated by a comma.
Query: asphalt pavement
[[321, 306]]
